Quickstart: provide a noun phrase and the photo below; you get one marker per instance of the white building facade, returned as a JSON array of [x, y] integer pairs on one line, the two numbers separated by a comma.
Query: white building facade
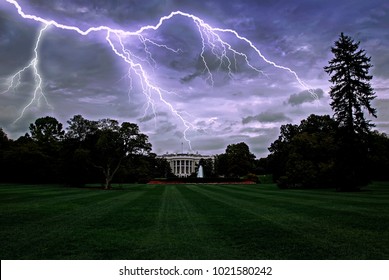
[[183, 165]]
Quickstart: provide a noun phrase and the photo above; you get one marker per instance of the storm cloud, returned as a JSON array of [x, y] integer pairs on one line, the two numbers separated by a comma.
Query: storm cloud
[[305, 96], [266, 117]]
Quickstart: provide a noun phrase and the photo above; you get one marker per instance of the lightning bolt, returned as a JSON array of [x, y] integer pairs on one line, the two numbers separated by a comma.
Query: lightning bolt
[[211, 40], [14, 80]]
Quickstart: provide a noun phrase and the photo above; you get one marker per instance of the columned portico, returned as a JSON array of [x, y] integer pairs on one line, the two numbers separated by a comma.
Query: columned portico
[[183, 165]]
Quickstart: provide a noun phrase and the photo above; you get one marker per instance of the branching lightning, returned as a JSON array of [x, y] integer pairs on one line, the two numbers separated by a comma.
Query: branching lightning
[[14, 80], [211, 40]]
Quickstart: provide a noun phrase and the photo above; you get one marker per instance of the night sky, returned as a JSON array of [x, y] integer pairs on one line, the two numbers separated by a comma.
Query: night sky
[[82, 75]]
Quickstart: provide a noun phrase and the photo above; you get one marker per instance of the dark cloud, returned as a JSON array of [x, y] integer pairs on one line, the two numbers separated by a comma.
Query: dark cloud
[[266, 117], [16, 39], [87, 13], [166, 127], [210, 144], [305, 97], [251, 130], [190, 77]]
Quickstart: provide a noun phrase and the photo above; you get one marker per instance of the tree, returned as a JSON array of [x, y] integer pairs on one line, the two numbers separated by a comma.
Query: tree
[[304, 155], [161, 166], [221, 165], [76, 151], [3, 139], [4, 145], [351, 90], [46, 130], [79, 128], [107, 146], [28, 162], [239, 159], [47, 135], [113, 144], [279, 150], [378, 160], [351, 94]]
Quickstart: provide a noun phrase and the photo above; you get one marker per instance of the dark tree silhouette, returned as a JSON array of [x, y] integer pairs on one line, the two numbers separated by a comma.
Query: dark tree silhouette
[[351, 91], [304, 155], [351, 94], [240, 160], [79, 128], [3, 139], [46, 130], [4, 144], [113, 144], [47, 135]]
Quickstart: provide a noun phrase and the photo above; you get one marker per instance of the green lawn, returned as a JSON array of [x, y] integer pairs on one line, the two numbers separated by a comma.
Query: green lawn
[[193, 222]]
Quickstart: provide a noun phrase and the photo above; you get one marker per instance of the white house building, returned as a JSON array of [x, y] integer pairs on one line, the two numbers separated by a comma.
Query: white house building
[[183, 165]]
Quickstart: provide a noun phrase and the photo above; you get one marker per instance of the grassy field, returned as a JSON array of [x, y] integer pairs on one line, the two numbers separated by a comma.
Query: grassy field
[[193, 222]]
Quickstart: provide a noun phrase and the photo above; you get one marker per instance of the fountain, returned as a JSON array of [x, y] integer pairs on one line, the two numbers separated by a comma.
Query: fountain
[[200, 173]]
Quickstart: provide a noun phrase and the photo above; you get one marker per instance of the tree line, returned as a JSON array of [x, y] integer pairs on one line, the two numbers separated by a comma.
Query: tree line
[[88, 152], [318, 153]]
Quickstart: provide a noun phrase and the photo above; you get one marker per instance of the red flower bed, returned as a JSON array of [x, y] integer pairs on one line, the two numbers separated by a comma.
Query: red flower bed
[[163, 182]]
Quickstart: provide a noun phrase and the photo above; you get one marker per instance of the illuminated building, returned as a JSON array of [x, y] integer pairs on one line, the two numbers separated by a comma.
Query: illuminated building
[[183, 165]]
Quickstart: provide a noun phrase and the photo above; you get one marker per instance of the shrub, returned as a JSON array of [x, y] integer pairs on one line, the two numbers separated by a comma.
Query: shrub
[[252, 177], [282, 182]]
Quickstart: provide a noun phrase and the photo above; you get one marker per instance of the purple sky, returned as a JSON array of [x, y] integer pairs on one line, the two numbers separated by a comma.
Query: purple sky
[[82, 74]]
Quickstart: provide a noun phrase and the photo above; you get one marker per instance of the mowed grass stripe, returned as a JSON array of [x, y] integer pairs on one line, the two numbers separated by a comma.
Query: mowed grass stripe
[[374, 194], [318, 206], [54, 205], [56, 229], [180, 231], [322, 228], [337, 202], [247, 236], [52, 197]]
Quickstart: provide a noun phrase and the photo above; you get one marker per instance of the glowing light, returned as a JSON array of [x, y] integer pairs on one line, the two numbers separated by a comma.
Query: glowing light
[[210, 40], [33, 65]]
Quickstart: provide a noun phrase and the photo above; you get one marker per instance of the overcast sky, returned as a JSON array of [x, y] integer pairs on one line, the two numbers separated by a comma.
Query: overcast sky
[[221, 95]]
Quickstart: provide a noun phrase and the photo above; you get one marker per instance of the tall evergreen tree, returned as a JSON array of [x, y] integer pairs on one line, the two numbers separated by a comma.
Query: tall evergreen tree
[[351, 95], [351, 91]]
